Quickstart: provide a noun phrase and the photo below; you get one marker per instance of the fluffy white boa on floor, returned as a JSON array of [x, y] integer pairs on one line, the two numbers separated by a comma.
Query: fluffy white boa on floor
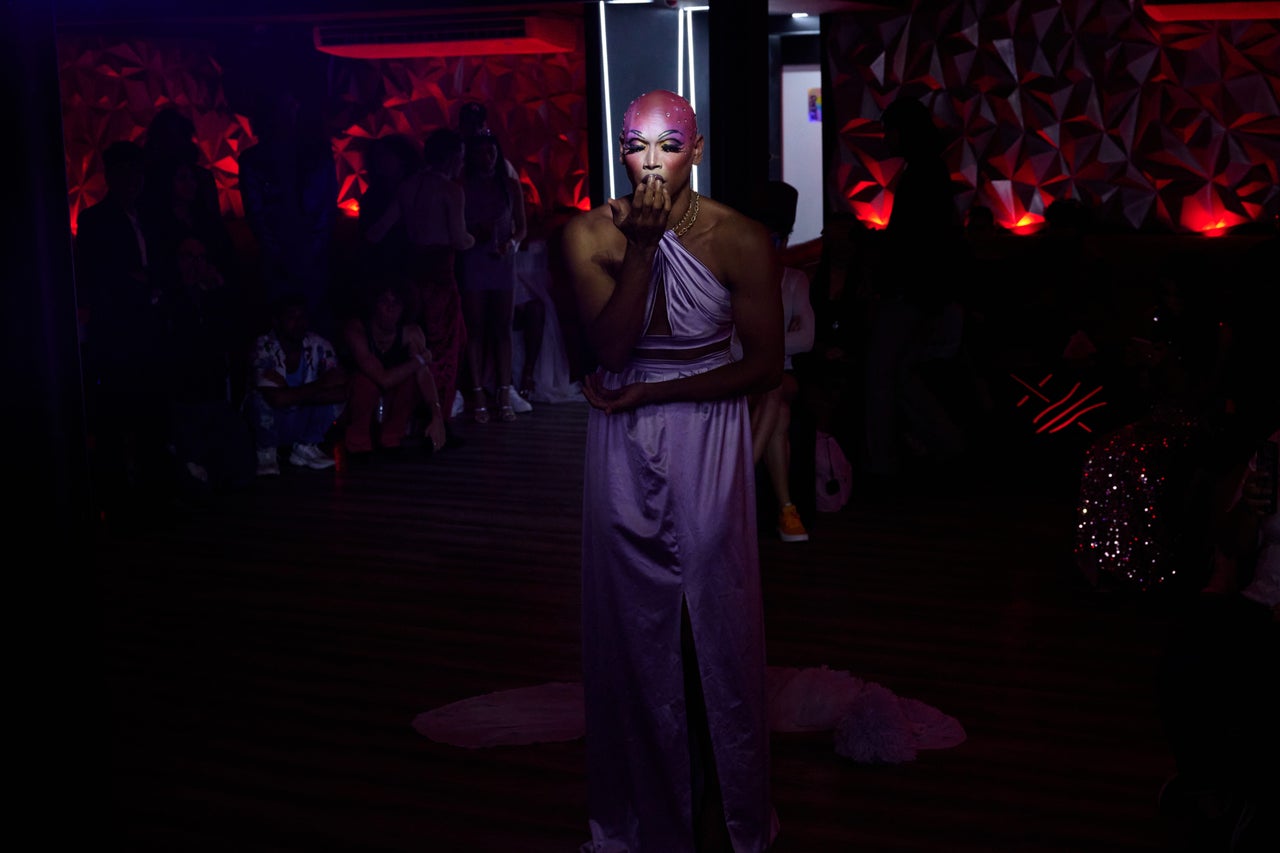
[[872, 725]]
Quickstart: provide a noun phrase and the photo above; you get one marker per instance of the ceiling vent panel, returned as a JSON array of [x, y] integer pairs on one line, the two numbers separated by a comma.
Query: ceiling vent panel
[[445, 35]]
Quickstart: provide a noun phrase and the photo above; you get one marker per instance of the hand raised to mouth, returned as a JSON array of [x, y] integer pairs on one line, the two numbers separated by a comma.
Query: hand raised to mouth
[[643, 217]]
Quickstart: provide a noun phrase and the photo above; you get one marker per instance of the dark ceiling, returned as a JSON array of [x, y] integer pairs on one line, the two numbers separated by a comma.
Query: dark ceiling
[[75, 11], [71, 12]]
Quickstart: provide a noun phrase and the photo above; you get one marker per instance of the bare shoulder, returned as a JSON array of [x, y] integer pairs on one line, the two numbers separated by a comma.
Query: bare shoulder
[[590, 223], [410, 186], [732, 228], [452, 188], [732, 245], [592, 234]]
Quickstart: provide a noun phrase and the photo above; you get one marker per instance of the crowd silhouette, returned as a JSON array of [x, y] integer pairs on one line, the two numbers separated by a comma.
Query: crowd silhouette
[[915, 330], [212, 358]]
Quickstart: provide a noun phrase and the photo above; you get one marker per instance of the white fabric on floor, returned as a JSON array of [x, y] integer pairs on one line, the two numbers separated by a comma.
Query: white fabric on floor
[[551, 370], [872, 724]]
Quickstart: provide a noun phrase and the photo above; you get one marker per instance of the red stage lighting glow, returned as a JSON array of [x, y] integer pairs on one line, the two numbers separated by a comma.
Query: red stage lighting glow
[[1252, 10], [1207, 219], [478, 47], [870, 204], [871, 215], [1029, 223], [350, 207], [445, 36]]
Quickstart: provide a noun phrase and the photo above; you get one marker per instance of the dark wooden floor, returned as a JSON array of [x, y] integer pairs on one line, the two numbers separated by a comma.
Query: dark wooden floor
[[266, 654]]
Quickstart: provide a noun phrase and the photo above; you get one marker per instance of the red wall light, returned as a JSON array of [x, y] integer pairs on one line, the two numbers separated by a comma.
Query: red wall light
[[438, 36], [1028, 223], [1246, 10], [873, 212], [1208, 219]]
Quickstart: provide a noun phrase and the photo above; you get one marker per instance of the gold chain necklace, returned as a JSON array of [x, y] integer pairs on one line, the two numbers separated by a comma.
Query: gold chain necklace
[[690, 216]]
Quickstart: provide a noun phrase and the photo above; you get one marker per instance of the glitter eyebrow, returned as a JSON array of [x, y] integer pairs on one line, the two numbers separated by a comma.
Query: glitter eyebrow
[[666, 134]]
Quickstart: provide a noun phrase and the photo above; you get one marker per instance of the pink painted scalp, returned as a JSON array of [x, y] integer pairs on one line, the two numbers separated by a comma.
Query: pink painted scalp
[[660, 109]]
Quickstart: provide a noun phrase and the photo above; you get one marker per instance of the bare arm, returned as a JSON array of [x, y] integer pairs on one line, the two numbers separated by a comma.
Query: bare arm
[[800, 330], [455, 212], [610, 261], [384, 223], [520, 228], [752, 275], [368, 364], [329, 387]]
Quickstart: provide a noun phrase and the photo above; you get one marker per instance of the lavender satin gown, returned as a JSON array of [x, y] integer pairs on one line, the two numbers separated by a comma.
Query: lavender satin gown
[[669, 514]]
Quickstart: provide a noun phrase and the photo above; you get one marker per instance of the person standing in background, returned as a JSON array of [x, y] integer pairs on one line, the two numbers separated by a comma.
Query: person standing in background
[[912, 314], [771, 411], [487, 272], [473, 119], [432, 206], [289, 184], [125, 327]]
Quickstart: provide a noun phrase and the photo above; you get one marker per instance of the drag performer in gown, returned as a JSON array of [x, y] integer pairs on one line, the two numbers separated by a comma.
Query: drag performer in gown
[[674, 671]]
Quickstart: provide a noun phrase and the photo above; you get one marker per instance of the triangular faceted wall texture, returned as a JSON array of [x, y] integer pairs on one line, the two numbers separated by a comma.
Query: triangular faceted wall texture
[[1154, 126], [111, 89]]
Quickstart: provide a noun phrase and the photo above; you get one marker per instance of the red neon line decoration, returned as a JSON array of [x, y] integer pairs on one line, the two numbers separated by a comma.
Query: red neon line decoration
[[1029, 388], [1049, 408], [1074, 419], [1065, 418], [1068, 410]]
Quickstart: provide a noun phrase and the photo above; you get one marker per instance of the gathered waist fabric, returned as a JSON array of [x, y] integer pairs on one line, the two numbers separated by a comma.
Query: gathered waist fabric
[[672, 362]]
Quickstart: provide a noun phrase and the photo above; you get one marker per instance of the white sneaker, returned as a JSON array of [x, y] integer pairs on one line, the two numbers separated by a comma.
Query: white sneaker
[[268, 462], [310, 456], [518, 404]]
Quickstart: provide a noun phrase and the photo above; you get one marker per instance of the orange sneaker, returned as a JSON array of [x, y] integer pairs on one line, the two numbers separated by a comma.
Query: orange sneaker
[[790, 528]]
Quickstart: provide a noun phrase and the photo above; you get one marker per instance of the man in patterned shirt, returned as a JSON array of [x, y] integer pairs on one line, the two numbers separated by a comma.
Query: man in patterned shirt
[[297, 390]]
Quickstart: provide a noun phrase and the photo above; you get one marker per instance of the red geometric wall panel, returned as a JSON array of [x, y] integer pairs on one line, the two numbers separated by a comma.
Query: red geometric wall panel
[[1154, 126], [536, 103], [111, 89]]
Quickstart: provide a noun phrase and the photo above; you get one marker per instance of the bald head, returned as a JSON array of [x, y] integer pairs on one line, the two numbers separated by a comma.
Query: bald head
[[660, 109]]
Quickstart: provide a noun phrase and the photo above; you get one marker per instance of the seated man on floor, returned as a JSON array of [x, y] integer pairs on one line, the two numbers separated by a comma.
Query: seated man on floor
[[297, 390]]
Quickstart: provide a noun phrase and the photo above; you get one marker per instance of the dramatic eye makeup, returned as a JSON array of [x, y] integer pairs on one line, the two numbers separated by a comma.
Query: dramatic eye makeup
[[672, 142]]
